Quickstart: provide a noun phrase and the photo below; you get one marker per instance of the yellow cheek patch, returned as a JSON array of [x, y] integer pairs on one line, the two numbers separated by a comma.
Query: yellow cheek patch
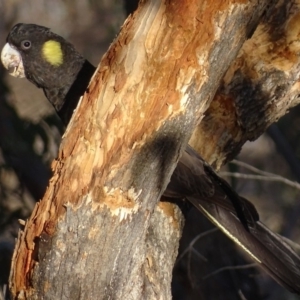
[[52, 53]]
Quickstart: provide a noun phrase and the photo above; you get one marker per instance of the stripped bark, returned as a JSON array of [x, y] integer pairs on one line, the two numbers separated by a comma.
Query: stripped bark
[[86, 238], [260, 86]]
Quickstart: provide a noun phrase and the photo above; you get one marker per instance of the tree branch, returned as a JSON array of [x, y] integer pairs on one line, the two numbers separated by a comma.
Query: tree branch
[[121, 146]]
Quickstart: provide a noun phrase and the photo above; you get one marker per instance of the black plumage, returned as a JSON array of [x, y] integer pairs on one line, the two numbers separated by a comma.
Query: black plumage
[[62, 84]]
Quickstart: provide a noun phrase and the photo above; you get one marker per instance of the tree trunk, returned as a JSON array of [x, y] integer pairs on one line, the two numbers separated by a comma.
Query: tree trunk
[[96, 233]]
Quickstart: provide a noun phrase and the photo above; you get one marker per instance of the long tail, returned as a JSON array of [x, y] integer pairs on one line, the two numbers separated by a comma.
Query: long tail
[[265, 247], [196, 181]]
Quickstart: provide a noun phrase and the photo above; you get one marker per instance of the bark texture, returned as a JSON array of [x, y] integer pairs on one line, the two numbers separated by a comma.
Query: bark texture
[[260, 86], [87, 238]]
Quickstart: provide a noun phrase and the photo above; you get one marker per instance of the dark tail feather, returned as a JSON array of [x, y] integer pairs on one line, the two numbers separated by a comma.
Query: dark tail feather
[[233, 196], [268, 249]]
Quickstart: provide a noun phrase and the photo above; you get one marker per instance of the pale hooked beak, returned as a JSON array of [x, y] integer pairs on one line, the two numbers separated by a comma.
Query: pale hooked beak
[[12, 61]]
